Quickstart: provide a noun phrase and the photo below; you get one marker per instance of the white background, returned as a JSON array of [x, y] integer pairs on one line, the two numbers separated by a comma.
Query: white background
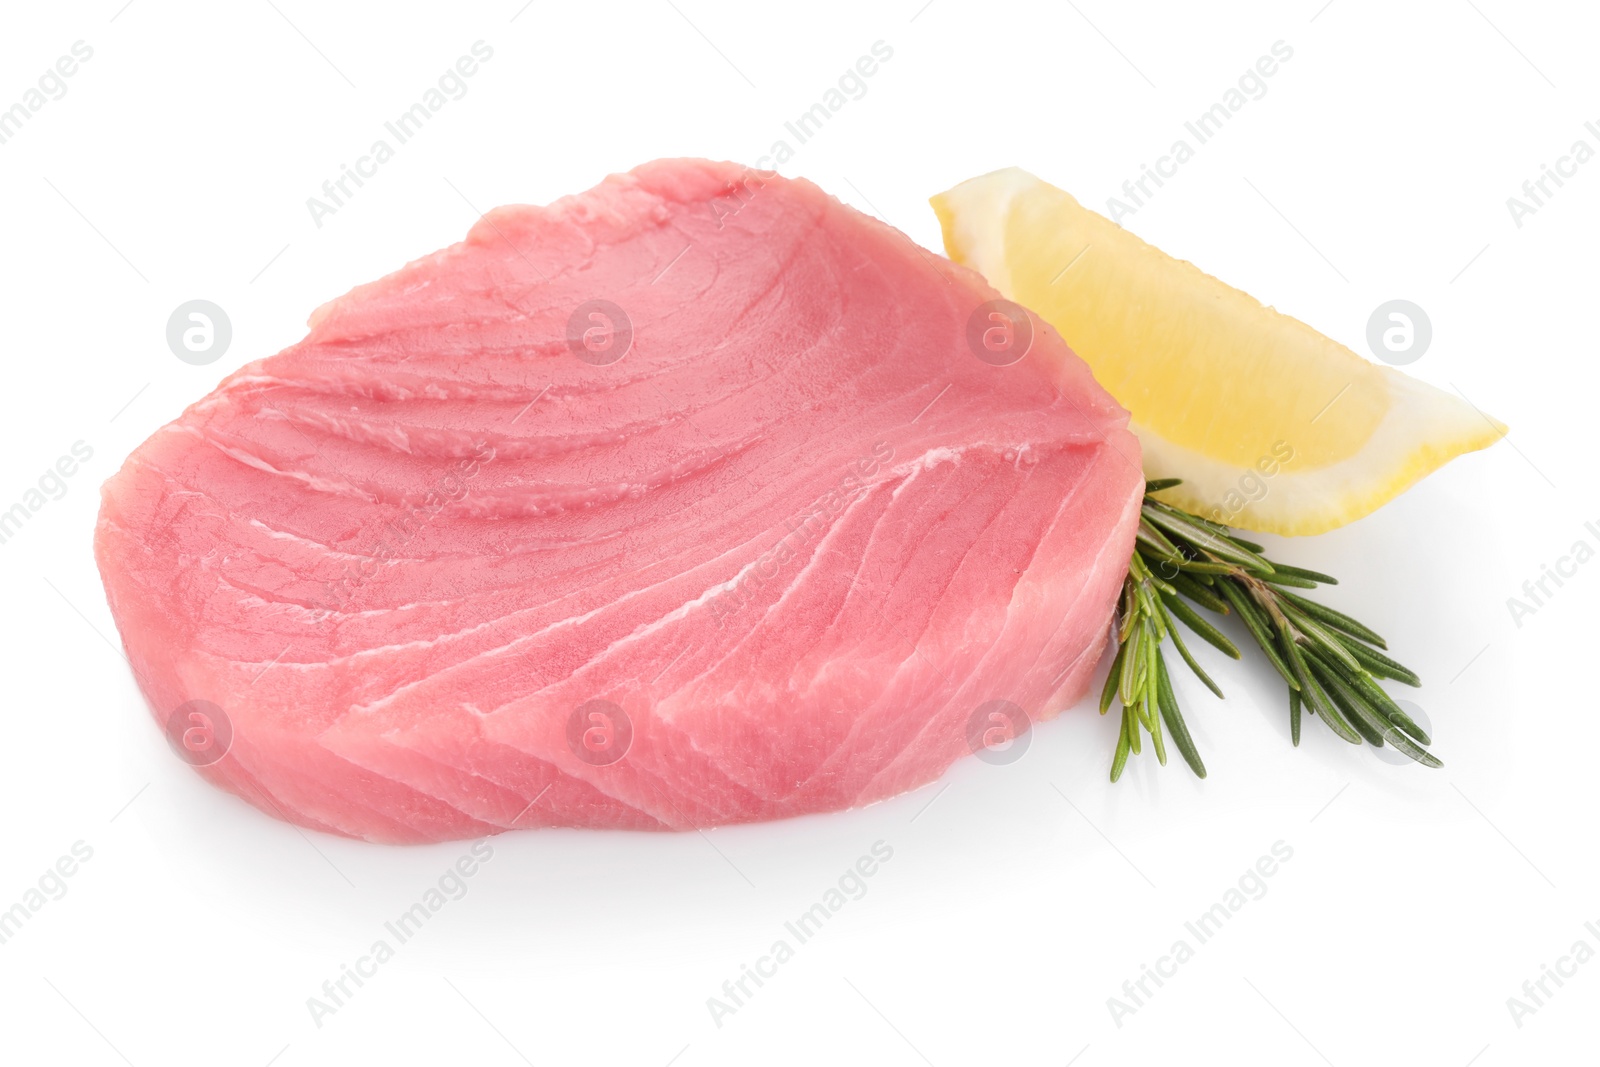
[[1019, 898]]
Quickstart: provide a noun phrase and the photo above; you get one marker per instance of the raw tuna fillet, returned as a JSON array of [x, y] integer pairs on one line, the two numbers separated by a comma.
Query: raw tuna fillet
[[694, 499]]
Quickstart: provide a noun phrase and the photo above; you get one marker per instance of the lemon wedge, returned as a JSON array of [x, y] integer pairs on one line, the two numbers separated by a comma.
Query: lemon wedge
[[1271, 425]]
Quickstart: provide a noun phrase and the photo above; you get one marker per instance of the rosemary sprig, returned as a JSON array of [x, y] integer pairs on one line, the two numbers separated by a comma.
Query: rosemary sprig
[[1330, 663]]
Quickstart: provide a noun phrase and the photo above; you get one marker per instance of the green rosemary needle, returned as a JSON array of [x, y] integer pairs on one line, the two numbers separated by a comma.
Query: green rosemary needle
[[1330, 663]]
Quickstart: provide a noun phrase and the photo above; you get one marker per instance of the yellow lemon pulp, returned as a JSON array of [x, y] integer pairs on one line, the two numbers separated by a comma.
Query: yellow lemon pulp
[[1271, 425]]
